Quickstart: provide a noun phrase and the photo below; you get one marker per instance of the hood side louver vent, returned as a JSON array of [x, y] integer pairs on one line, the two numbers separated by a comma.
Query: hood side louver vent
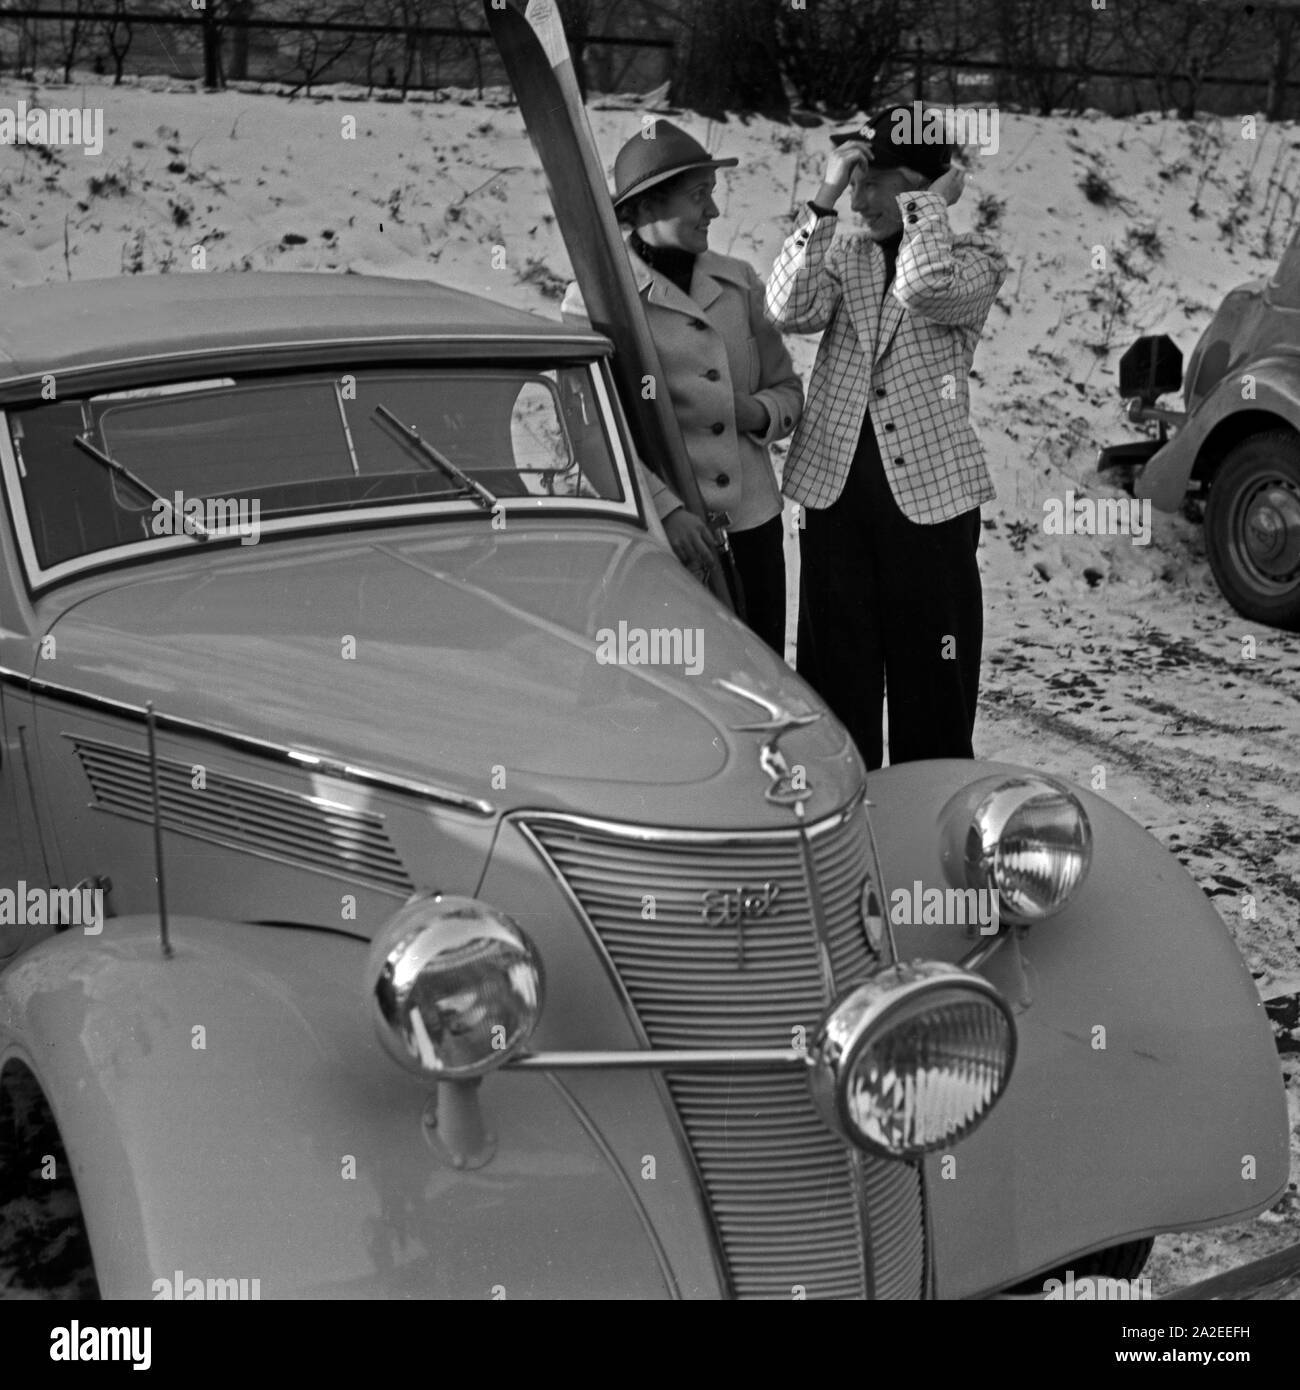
[[310, 831]]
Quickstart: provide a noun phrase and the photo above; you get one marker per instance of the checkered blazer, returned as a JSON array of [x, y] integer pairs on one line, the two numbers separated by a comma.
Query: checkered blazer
[[910, 357]]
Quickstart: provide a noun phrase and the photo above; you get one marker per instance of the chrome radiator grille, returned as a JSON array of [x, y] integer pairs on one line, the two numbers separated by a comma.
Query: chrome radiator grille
[[306, 830], [788, 1200]]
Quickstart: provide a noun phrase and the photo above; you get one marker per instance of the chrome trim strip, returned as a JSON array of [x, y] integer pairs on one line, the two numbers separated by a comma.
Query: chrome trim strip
[[927, 1232], [26, 754], [247, 743], [520, 821], [882, 887], [856, 1160], [312, 527], [818, 919], [657, 833], [598, 1139], [681, 1059], [614, 439]]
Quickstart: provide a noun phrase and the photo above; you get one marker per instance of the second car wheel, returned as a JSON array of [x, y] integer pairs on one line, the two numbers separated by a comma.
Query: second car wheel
[[1252, 528]]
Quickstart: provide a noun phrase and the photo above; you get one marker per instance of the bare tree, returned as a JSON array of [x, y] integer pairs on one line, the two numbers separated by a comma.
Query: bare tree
[[948, 32], [840, 53], [320, 50], [387, 52], [1050, 49], [1182, 42], [239, 39], [468, 22], [118, 33], [1281, 21], [73, 32], [577, 17], [728, 58]]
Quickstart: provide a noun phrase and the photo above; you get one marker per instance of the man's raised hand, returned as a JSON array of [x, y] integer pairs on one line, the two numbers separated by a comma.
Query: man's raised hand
[[839, 170]]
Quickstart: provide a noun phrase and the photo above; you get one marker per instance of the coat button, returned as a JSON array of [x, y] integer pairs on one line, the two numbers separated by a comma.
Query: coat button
[[787, 420], [719, 428], [713, 374], [889, 426], [723, 479], [898, 463], [880, 390], [911, 221], [911, 207]]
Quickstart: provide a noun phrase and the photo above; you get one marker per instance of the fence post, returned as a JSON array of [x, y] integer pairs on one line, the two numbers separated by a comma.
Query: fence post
[[211, 51]]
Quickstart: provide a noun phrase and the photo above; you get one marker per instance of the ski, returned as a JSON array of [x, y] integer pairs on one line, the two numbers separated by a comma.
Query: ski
[[535, 51]]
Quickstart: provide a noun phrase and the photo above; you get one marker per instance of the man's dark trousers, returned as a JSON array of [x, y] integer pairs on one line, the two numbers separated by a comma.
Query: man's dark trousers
[[889, 606]]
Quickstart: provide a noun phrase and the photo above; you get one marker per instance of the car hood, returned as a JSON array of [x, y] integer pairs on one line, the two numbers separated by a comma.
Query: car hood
[[463, 657]]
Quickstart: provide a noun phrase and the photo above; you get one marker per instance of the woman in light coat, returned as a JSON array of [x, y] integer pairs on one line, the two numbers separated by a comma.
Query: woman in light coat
[[729, 376]]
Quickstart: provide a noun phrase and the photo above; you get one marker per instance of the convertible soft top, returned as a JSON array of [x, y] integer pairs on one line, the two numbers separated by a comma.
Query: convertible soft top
[[146, 326]]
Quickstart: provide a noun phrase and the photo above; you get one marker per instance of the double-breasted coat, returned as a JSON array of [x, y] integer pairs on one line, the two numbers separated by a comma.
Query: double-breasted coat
[[712, 343]]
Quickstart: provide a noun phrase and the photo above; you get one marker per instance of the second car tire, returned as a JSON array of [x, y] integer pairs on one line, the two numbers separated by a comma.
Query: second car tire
[[1252, 528]]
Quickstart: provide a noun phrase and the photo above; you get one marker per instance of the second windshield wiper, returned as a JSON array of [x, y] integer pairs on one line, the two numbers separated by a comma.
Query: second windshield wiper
[[199, 531], [410, 436]]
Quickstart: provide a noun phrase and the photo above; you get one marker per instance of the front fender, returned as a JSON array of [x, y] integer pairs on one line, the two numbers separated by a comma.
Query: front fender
[[1277, 392], [1172, 1118], [228, 1113]]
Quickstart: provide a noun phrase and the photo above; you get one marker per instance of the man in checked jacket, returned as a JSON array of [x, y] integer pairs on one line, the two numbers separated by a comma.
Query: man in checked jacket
[[885, 466]]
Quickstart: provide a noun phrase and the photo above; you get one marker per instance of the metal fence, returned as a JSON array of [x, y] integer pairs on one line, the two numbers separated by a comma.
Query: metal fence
[[235, 45]]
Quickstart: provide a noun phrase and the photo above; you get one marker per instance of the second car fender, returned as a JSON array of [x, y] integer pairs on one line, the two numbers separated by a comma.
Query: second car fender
[[1276, 389]]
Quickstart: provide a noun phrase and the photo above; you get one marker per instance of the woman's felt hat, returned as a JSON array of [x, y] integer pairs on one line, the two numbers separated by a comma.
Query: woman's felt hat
[[658, 153]]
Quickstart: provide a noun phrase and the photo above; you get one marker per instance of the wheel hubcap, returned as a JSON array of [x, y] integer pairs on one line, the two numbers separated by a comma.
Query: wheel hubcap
[[1268, 531]]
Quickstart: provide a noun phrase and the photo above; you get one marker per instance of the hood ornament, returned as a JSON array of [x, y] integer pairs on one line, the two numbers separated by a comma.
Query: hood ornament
[[786, 789]]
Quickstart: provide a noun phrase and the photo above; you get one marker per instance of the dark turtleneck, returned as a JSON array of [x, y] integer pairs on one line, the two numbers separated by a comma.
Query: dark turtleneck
[[673, 264]]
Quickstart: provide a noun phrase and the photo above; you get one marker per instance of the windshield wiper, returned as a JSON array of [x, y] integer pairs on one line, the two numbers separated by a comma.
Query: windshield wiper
[[410, 436], [199, 531]]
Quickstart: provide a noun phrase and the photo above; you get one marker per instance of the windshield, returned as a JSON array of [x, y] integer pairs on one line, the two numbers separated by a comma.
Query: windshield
[[220, 459]]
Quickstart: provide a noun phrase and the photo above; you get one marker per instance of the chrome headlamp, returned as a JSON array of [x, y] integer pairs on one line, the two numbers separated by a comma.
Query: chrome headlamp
[[455, 988], [913, 1059], [1025, 838]]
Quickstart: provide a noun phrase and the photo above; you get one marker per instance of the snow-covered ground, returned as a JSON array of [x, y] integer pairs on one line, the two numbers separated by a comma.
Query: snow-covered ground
[[1099, 653]]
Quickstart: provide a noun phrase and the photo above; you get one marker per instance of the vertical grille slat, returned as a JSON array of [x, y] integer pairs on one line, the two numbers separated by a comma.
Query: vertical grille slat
[[780, 1186]]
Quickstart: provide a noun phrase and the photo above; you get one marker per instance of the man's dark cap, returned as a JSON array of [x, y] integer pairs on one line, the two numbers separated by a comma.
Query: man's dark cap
[[896, 139]]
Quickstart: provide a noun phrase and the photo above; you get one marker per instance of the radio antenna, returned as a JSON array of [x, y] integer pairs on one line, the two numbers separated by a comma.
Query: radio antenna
[[157, 833]]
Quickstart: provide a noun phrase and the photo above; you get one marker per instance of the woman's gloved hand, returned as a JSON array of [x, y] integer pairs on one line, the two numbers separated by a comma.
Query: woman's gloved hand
[[691, 540]]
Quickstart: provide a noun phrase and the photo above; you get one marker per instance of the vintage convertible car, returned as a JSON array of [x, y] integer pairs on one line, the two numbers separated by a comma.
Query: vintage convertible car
[[414, 883], [1237, 444]]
